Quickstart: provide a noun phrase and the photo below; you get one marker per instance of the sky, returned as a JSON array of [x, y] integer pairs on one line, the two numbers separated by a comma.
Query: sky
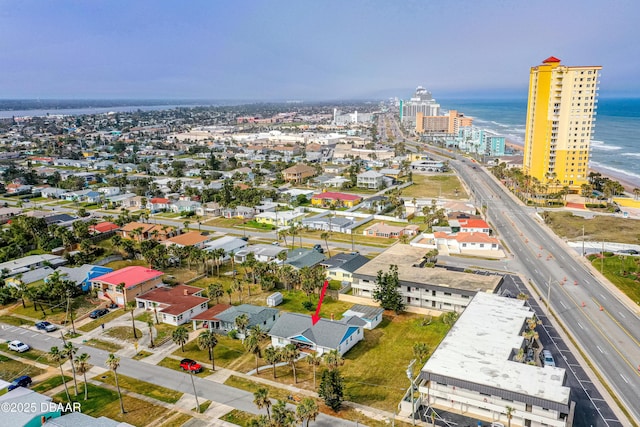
[[307, 50]]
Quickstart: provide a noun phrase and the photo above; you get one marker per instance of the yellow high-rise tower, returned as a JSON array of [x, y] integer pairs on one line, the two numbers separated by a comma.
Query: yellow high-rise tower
[[560, 119]]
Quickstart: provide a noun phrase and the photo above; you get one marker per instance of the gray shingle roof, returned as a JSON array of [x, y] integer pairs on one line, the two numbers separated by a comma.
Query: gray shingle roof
[[364, 311], [325, 333], [347, 262], [257, 315], [302, 257]]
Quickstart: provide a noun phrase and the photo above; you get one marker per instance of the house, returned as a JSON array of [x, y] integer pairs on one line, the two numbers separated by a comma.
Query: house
[[143, 231], [30, 262], [83, 275], [104, 227], [427, 166], [475, 367], [75, 419], [370, 179], [324, 336], [264, 317], [458, 243], [124, 285], [376, 203], [28, 277], [7, 213], [280, 219], [109, 191], [303, 257], [338, 200], [53, 193], [14, 188], [158, 204], [190, 238], [228, 244], [342, 266], [63, 220], [41, 408], [261, 251], [174, 305], [243, 212], [380, 229], [298, 173], [209, 209], [183, 206], [209, 317], [371, 315], [470, 225]]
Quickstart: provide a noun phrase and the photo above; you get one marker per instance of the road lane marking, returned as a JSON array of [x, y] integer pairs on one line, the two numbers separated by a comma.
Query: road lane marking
[[573, 268], [580, 325], [598, 347], [625, 380], [621, 315], [562, 304], [603, 297], [619, 325]]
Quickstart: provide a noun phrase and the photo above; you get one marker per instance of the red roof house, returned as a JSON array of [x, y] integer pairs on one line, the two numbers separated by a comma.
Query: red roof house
[[103, 227], [176, 305], [136, 280]]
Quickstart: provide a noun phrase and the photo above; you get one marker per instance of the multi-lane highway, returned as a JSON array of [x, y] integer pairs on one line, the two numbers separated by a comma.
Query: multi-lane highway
[[605, 327]]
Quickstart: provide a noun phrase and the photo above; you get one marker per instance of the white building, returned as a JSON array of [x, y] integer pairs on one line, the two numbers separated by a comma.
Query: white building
[[473, 369]]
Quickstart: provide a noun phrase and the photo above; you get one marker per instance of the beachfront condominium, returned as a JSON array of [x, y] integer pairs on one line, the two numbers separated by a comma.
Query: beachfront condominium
[[560, 119], [421, 102]]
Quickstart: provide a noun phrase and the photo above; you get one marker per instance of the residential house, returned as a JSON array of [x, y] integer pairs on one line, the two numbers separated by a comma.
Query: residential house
[[261, 251], [303, 257], [341, 267], [7, 213], [41, 408], [243, 212], [109, 191], [298, 173], [458, 243], [326, 335], [53, 193], [190, 238], [104, 228], [376, 203], [225, 321], [229, 244], [456, 206], [470, 225], [63, 220], [209, 209], [370, 179], [83, 275], [28, 277], [158, 204], [380, 229], [14, 188], [30, 262], [427, 166], [135, 280], [280, 219], [208, 318], [143, 231], [174, 305], [337, 200], [327, 222], [371, 315], [184, 206]]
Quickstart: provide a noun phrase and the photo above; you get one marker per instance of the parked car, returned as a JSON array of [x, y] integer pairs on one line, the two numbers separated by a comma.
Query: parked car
[[23, 381], [190, 365], [98, 313], [46, 326], [18, 346], [318, 248], [547, 358]]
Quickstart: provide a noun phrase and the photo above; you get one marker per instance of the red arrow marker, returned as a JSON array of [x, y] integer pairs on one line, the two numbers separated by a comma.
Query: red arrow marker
[[316, 317]]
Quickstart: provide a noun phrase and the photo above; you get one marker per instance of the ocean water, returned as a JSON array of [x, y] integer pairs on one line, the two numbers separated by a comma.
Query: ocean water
[[616, 138]]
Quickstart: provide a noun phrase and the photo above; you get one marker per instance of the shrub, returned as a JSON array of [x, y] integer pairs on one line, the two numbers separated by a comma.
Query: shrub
[[308, 305], [233, 334]]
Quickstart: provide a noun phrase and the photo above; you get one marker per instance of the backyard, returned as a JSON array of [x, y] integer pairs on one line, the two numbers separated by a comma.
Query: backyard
[[441, 185]]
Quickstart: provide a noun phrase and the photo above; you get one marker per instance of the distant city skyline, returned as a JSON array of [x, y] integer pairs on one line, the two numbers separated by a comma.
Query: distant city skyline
[[311, 51]]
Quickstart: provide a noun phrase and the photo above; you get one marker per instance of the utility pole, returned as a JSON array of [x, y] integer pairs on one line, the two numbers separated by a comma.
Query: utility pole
[[195, 393], [582, 239]]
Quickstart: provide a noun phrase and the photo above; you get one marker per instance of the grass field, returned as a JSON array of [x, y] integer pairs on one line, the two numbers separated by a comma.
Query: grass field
[[11, 369], [104, 345], [624, 272], [441, 185], [226, 353], [238, 417], [598, 228], [141, 387], [90, 326], [33, 354], [163, 330], [105, 402], [123, 333], [15, 321], [58, 314], [51, 383], [358, 238]]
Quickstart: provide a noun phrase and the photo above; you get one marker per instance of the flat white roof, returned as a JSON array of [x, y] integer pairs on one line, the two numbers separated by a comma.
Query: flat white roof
[[478, 347]]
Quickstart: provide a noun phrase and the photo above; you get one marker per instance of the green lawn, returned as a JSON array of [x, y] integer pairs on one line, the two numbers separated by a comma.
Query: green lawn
[[33, 354], [598, 228], [225, 222], [123, 333], [374, 369], [202, 406], [51, 383], [357, 238], [622, 271], [238, 417], [141, 387], [11, 369], [163, 330], [441, 185], [176, 421], [104, 402], [141, 355], [56, 314], [113, 314], [117, 265], [14, 321], [292, 301], [226, 353], [104, 345]]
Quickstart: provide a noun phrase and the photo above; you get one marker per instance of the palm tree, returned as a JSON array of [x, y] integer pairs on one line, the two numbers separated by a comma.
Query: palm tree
[[272, 356], [307, 410], [261, 399], [150, 325], [325, 236], [510, 412], [252, 343], [215, 290], [56, 356], [218, 256], [207, 339], [290, 354], [82, 367], [69, 350], [333, 359], [132, 305], [314, 360], [113, 363], [421, 351], [180, 336], [283, 417], [155, 311], [242, 322]]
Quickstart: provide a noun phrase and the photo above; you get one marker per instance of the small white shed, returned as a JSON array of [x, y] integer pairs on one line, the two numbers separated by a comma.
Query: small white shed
[[274, 299]]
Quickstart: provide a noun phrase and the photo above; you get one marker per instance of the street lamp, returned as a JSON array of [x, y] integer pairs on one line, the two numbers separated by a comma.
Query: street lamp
[[195, 393], [549, 290], [413, 402]]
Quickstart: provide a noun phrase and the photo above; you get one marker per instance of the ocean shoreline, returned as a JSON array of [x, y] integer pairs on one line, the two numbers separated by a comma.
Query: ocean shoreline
[[629, 184]]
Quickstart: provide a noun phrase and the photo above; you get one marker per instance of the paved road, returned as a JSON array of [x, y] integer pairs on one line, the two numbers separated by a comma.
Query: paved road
[[605, 328], [216, 392]]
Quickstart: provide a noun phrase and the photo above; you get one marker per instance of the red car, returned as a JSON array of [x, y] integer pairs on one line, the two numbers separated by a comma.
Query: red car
[[190, 365]]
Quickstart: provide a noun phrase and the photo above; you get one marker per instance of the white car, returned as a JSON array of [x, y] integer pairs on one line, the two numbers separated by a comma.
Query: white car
[[18, 346], [547, 358]]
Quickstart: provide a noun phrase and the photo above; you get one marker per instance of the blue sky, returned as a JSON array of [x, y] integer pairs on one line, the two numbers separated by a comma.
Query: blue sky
[[307, 50]]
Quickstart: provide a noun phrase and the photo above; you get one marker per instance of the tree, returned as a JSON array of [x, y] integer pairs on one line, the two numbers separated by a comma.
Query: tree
[[150, 325], [242, 322], [387, 291], [261, 399], [216, 291], [333, 359], [450, 318], [180, 336], [421, 351], [207, 339], [132, 306], [113, 363], [82, 367], [272, 356], [155, 311], [56, 356], [332, 388], [69, 350], [290, 354], [314, 360], [325, 236], [307, 410], [283, 417], [252, 343], [509, 411]]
